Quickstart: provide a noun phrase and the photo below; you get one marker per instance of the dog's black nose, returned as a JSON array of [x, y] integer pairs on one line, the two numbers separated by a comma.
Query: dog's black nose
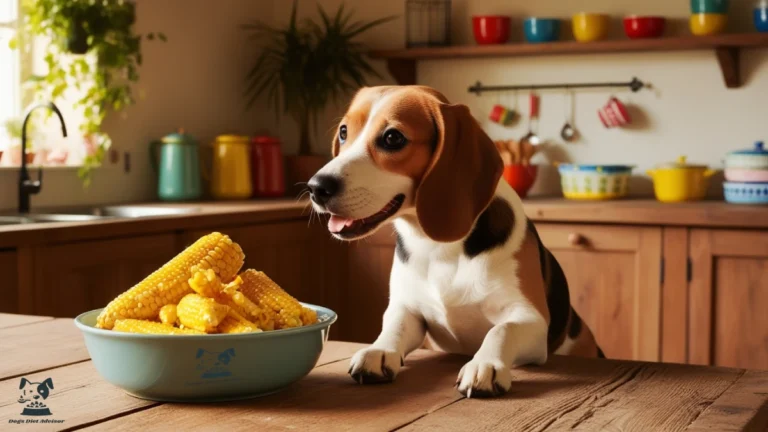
[[323, 187]]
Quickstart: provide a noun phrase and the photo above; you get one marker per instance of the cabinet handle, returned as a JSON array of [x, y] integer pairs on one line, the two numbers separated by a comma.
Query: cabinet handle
[[576, 239]]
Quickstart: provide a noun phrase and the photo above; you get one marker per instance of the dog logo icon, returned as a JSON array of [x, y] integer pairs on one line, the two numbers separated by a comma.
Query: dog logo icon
[[214, 364], [33, 395]]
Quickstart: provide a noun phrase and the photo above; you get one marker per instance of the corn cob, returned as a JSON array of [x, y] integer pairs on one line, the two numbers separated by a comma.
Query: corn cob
[[279, 306], [169, 284], [206, 283], [201, 313], [244, 306], [308, 316], [236, 323], [150, 327], [168, 314]]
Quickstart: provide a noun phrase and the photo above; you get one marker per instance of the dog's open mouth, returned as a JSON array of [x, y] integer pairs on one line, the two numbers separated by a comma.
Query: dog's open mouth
[[350, 228]]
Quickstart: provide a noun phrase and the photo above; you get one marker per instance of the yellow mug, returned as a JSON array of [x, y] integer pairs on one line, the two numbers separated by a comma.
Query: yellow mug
[[590, 27], [231, 174]]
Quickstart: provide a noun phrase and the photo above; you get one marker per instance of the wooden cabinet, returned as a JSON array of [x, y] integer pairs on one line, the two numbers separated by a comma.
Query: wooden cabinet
[[9, 297], [728, 307], [613, 275], [370, 263], [71, 278]]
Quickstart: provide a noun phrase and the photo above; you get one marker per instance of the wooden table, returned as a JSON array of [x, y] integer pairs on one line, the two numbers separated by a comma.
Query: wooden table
[[565, 394]]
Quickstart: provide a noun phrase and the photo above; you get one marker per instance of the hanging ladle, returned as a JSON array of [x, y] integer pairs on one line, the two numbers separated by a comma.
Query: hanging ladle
[[568, 133], [531, 137]]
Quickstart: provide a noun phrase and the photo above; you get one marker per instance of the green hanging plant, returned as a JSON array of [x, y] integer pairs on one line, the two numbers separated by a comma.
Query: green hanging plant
[[93, 51]]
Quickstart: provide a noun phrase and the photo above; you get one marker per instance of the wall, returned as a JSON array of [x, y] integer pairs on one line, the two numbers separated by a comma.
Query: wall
[[194, 81], [689, 112]]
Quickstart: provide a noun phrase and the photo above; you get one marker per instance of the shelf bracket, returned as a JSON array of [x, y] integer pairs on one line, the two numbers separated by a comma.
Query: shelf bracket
[[402, 70], [728, 58]]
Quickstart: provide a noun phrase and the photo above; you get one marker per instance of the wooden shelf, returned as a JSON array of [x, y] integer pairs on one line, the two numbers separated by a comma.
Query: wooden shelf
[[402, 63]]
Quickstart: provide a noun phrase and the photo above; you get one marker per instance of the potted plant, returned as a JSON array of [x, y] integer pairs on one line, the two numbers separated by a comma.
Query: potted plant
[[305, 66], [95, 51]]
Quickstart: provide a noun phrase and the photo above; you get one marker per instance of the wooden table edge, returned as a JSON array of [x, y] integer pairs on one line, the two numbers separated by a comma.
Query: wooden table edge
[[746, 396]]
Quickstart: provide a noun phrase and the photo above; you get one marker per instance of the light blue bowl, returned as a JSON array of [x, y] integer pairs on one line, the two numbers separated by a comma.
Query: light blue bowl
[[205, 368], [540, 30], [746, 193]]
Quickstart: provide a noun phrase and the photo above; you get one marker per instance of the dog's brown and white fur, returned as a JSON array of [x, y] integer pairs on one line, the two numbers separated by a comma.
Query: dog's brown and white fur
[[470, 272]]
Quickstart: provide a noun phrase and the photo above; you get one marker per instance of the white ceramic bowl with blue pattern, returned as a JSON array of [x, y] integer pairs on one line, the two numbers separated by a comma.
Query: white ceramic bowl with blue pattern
[[205, 368], [746, 193]]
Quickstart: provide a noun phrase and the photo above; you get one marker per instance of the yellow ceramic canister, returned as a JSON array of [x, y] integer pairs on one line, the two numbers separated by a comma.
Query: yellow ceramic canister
[[678, 181], [231, 175]]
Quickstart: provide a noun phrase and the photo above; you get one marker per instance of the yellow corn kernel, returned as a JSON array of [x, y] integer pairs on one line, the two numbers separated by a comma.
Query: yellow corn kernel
[[279, 306], [236, 323], [168, 314], [244, 306], [201, 313], [169, 284], [308, 316], [150, 327]]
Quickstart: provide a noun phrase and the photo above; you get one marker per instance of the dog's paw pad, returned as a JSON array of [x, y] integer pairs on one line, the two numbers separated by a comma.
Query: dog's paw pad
[[483, 379], [375, 366]]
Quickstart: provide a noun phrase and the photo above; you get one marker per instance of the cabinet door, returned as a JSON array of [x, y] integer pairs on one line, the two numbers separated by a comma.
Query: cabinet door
[[613, 275], [9, 288], [728, 319], [73, 278], [367, 296]]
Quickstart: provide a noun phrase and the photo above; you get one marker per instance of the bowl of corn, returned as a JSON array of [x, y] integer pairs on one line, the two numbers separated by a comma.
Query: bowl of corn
[[202, 329]]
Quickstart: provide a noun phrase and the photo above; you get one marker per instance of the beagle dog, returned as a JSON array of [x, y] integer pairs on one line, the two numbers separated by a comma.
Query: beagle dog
[[470, 272]]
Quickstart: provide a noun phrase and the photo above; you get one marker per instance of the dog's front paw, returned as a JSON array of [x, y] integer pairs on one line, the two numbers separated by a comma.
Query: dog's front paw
[[373, 365], [483, 378]]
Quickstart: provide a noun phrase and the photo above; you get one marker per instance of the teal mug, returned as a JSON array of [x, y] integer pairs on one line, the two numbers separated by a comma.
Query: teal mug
[[176, 161]]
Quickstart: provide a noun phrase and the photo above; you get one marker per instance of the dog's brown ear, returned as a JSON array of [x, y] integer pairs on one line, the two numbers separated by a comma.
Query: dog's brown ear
[[462, 177]]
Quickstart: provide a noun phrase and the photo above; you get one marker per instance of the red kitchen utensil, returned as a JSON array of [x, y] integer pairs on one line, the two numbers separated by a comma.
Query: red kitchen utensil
[[521, 177], [267, 171], [531, 137]]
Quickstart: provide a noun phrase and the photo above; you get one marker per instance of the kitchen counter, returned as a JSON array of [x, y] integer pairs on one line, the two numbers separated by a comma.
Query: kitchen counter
[[712, 214]]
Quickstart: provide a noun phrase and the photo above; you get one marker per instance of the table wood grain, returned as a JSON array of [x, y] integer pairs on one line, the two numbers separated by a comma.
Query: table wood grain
[[565, 394]]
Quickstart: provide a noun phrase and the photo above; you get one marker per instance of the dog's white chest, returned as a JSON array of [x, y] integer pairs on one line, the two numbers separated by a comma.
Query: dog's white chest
[[452, 295]]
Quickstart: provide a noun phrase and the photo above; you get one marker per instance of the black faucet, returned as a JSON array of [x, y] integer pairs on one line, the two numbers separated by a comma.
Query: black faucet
[[28, 187]]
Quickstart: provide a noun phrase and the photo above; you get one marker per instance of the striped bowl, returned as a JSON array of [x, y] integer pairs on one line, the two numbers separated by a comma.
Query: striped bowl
[[594, 182]]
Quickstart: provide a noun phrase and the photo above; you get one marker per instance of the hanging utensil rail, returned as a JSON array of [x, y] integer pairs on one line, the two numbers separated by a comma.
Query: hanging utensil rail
[[635, 85]]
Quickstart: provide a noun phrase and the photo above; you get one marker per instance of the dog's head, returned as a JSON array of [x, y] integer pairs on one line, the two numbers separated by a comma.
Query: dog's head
[[406, 149], [35, 391], [208, 359]]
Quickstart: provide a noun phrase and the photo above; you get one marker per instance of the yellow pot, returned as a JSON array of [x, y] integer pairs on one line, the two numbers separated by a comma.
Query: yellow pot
[[706, 24], [231, 174], [590, 27], [678, 182]]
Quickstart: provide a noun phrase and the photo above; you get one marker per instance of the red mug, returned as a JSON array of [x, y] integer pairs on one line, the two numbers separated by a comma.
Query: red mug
[[614, 114]]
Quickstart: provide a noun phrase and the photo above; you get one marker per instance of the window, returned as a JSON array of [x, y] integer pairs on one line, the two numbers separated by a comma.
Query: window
[[44, 137]]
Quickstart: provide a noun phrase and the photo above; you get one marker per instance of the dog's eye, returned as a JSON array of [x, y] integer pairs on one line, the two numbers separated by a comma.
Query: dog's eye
[[393, 140], [342, 134]]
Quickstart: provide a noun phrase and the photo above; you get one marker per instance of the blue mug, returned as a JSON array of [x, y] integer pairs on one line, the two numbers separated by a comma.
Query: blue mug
[[539, 30], [761, 18], [177, 167]]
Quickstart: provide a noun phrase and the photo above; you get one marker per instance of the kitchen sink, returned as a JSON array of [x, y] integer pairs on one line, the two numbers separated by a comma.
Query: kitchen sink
[[94, 214]]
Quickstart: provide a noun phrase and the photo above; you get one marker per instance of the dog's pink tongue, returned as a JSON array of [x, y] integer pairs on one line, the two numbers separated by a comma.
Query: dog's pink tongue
[[337, 223]]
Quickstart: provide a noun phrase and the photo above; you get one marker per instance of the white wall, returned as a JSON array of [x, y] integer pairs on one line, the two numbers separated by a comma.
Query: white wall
[[690, 112], [194, 81]]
